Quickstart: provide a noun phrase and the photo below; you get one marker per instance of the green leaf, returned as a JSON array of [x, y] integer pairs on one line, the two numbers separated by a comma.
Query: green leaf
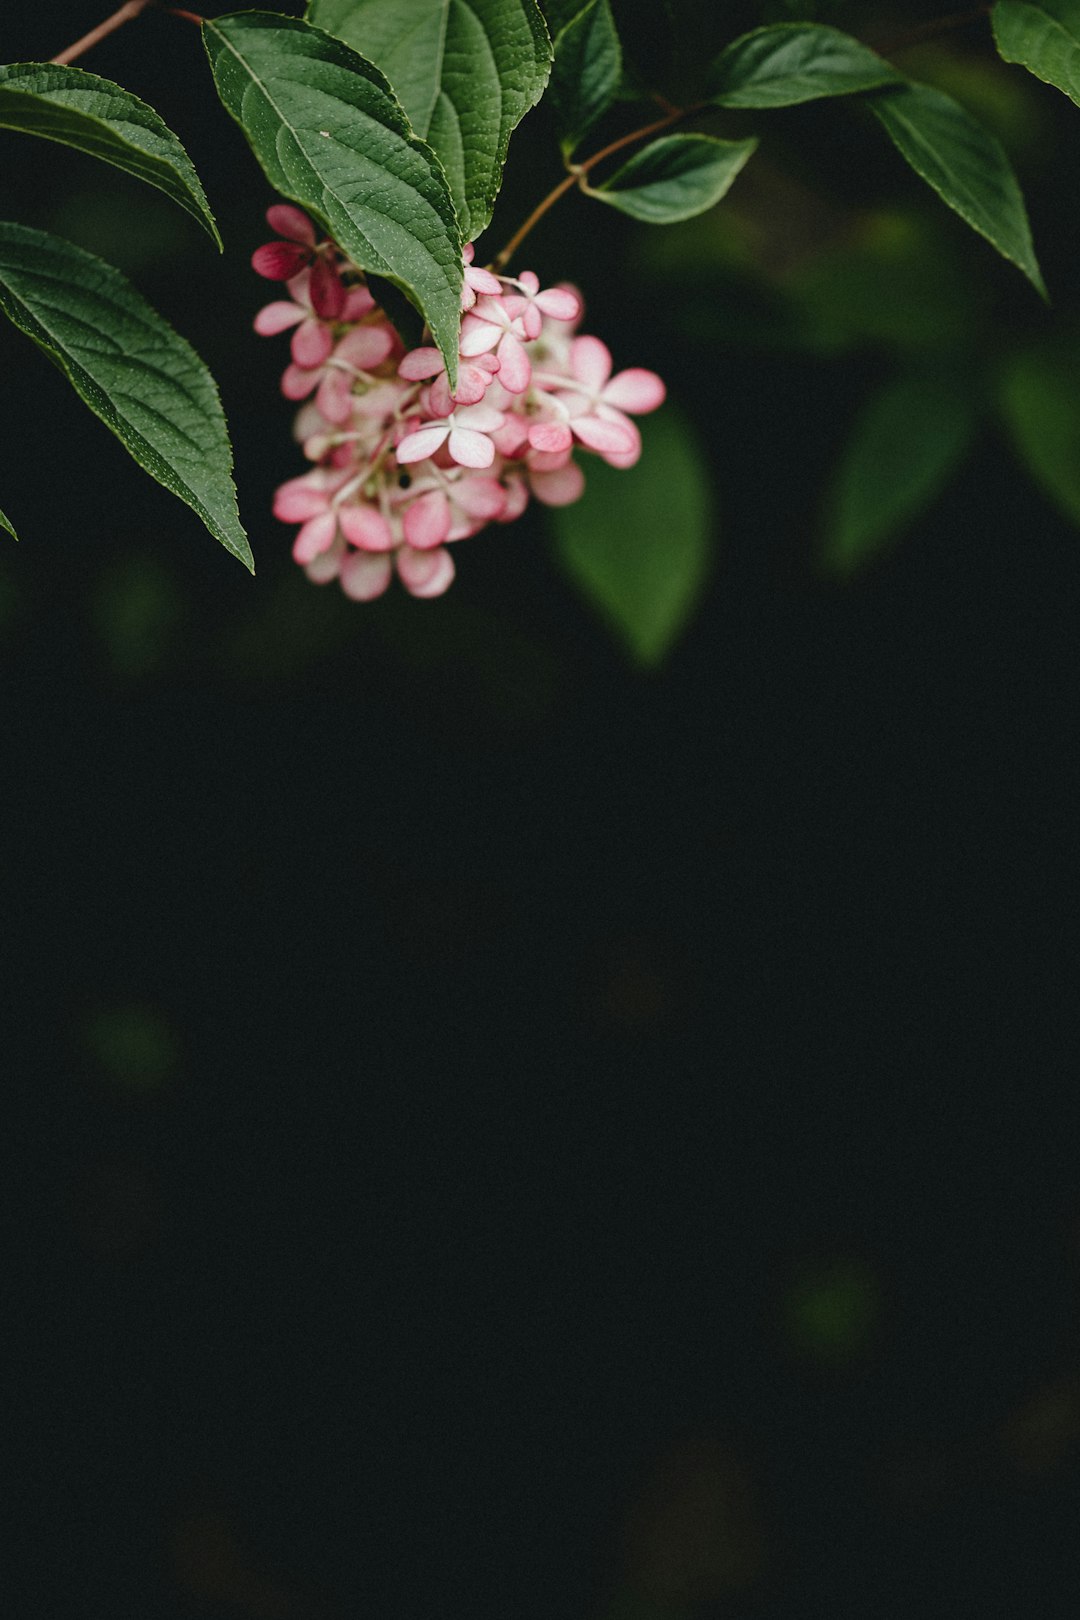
[[330, 135], [638, 544], [98, 117], [5, 523], [1039, 395], [587, 73], [964, 164], [905, 444], [790, 63], [674, 177], [144, 381], [466, 73], [1044, 38]]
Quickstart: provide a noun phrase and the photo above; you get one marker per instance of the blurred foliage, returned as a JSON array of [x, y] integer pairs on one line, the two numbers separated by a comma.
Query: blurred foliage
[[134, 1048], [833, 1311]]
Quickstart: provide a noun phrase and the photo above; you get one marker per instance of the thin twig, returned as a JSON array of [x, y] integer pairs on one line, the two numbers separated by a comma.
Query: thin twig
[[126, 13], [930, 30], [577, 173]]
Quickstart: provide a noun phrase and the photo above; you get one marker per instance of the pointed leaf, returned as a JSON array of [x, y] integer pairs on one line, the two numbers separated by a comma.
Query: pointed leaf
[[964, 164], [144, 381], [789, 63], [1044, 38], [98, 117], [1040, 402], [5, 523], [330, 135], [466, 73], [639, 542], [674, 177], [587, 72], [905, 444]]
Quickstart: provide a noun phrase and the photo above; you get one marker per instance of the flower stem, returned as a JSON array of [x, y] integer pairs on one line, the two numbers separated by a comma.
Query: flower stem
[[126, 13]]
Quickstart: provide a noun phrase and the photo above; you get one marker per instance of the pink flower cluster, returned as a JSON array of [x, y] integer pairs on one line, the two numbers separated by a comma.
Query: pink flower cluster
[[402, 466]]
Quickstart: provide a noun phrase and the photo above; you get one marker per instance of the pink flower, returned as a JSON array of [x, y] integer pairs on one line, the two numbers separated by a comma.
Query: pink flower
[[473, 378], [496, 323], [595, 410], [465, 432], [557, 303]]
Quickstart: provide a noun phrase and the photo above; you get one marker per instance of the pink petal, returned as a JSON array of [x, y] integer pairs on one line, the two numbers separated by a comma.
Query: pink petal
[[482, 281], [425, 573], [358, 303], [438, 400], [419, 364], [482, 498], [477, 336], [635, 390], [590, 361], [468, 448], [559, 303], [550, 436], [364, 577], [423, 442], [426, 520], [327, 292], [311, 343], [509, 439], [291, 223], [278, 261], [628, 457], [298, 381], [558, 488], [316, 535], [603, 437], [484, 417], [530, 281], [334, 396], [515, 370], [517, 499], [364, 526], [278, 317], [366, 347], [546, 460], [297, 501], [533, 322], [327, 565]]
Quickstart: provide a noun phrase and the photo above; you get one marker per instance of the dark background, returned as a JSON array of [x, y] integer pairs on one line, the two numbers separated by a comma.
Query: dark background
[[507, 1133]]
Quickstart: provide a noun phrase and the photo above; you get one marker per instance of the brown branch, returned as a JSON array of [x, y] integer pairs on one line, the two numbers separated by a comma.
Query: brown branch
[[929, 30], [126, 13], [577, 173]]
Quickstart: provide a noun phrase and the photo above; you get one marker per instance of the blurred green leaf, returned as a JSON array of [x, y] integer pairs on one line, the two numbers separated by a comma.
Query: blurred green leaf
[[1039, 395], [964, 164], [100, 118], [789, 63], [5, 523], [135, 1047], [136, 610], [833, 1311], [330, 135], [905, 444], [1042, 37], [639, 542], [587, 72], [143, 380], [675, 177]]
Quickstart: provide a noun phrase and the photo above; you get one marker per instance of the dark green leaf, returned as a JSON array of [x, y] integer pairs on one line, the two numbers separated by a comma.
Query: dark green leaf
[[674, 177], [904, 446], [794, 62], [466, 73], [331, 136], [1040, 401], [95, 116], [587, 72], [1044, 38], [639, 542], [5, 523], [964, 164], [144, 381]]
